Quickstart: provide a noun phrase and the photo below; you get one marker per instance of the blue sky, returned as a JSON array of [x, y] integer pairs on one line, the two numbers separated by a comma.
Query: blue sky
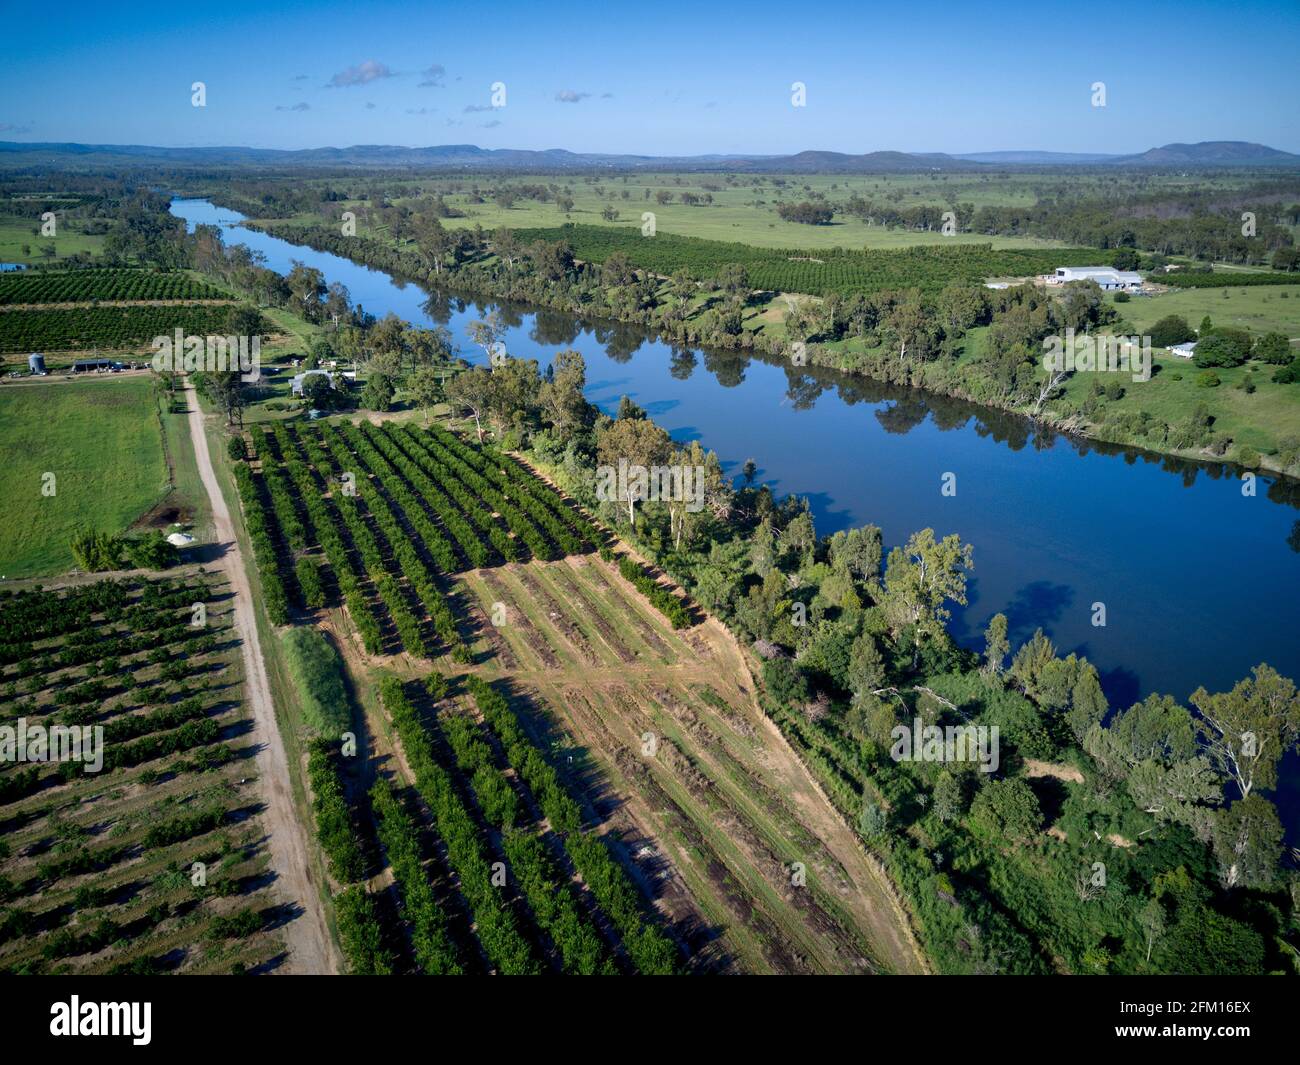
[[663, 78]]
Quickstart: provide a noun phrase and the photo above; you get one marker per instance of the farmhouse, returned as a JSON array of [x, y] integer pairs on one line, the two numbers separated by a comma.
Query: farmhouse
[[1183, 351], [1107, 277]]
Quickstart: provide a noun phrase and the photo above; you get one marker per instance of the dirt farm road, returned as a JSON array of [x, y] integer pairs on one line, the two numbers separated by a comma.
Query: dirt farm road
[[311, 950]]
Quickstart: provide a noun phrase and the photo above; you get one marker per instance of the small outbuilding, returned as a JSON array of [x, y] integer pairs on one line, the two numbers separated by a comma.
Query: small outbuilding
[[36, 363], [1183, 351]]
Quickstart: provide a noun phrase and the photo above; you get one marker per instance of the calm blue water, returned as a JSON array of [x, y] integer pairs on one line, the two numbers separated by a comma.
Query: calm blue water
[[1199, 582]]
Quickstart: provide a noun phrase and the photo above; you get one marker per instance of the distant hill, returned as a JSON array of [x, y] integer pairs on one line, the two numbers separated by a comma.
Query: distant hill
[[472, 157], [1211, 153], [1031, 158]]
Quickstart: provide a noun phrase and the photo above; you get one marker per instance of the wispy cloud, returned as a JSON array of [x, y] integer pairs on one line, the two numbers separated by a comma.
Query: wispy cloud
[[370, 105], [15, 127], [435, 77], [568, 96], [421, 110], [304, 106], [361, 74], [301, 77], [473, 109], [490, 125]]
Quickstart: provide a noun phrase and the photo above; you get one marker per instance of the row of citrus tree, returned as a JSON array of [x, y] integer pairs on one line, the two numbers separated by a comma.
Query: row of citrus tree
[[651, 951], [361, 932], [327, 526]]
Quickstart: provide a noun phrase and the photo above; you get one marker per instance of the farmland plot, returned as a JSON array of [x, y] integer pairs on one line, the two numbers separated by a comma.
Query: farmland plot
[[724, 813], [154, 862], [563, 770], [81, 286], [105, 326]]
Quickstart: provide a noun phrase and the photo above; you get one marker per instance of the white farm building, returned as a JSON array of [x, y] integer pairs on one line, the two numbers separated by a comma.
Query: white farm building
[[1110, 279]]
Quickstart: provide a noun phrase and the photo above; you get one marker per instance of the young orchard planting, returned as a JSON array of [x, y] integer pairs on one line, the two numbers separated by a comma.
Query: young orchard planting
[[147, 857]]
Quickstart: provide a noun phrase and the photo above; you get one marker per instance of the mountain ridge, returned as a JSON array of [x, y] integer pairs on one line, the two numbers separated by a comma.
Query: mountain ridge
[[810, 161]]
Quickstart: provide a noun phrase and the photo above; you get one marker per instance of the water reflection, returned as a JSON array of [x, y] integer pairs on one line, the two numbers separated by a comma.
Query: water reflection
[[1200, 581]]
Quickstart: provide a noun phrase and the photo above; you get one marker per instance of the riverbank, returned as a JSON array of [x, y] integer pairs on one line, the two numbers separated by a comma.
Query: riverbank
[[1247, 429], [1059, 522]]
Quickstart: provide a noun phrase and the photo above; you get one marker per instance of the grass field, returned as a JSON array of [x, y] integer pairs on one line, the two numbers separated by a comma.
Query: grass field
[[101, 441], [187, 498], [748, 225], [17, 232], [1259, 419], [756, 225], [1261, 309]]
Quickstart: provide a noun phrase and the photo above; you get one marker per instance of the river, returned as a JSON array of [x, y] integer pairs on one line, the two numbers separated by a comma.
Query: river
[[1199, 581]]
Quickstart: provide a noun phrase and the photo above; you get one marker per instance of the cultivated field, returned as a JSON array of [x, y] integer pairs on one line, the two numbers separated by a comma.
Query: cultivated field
[[158, 861], [752, 863], [502, 811], [80, 286]]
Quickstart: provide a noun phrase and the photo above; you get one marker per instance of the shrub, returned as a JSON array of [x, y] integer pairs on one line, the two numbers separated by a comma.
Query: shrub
[[660, 597], [785, 680], [1287, 375], [238, 925], [95, 552], [1223, 347], [1273, 348], [436, 685], [1007, 809], [151, 551], [1170, 330], [360, 934], [335, 827], [313, 591], [316, 672]]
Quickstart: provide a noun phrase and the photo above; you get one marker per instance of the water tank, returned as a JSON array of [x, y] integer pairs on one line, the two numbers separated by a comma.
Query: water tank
[[36, 363]]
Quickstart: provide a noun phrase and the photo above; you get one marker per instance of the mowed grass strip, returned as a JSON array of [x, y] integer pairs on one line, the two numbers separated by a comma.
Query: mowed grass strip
[[102, 443]]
